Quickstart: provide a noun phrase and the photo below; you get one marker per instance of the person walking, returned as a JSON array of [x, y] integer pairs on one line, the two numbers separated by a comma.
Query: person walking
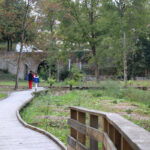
[[36, 81], [30, 79]]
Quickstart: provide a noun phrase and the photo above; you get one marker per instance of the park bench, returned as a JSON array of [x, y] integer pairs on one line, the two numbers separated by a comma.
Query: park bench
[[88, 128]]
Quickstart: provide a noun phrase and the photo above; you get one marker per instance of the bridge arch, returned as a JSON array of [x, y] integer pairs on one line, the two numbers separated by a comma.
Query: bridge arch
[[46, 69]]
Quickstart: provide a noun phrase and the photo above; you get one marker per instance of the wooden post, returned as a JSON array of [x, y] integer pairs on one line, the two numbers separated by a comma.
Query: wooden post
[[105, 129], [117, 141], [81, 118], [112, 133], [73, 115], [93, 122], [125, 145]]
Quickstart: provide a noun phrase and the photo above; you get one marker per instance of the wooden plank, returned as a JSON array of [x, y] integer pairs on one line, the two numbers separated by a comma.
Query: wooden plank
[[127, 129], [125, 145], [108, 144], [75, 144], [89, 131], [105, 124], [73, 115], [94, 133], [130, 132], [112, 133], [117, 140], [77, 126], [81, 117], [105, 129], [85, 110], [93, 122]]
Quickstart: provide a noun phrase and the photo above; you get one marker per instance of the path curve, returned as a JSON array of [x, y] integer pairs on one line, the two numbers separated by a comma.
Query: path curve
[[13, 135]]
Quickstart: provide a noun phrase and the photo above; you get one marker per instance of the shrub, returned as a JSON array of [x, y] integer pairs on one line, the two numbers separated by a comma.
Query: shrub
[[75, 77], [51, 81]]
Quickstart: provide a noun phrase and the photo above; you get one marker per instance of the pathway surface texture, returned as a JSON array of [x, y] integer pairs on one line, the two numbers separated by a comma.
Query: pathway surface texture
[[13, 135]]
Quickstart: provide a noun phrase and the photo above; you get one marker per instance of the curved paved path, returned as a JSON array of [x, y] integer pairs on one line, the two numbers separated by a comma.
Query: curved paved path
[[13, 135]]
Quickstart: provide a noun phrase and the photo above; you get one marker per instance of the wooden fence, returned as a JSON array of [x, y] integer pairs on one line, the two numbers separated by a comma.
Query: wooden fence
[[95, 130]]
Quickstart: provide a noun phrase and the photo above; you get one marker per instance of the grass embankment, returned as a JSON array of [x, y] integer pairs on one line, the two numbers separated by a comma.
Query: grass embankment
[[50, 110]]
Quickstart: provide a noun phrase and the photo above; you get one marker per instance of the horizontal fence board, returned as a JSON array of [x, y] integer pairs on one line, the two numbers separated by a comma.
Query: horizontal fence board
[[108, 144], [126, 129], [75, 144], [96, 134], [77, 126], [87, 130], [93, 112]]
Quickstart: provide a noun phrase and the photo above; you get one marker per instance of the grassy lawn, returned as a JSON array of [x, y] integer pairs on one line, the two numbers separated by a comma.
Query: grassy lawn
[[3, 96], [50, 110]]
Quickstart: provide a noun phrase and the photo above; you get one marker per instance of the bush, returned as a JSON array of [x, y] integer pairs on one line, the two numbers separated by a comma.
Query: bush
[[75, 77], [51, 81]]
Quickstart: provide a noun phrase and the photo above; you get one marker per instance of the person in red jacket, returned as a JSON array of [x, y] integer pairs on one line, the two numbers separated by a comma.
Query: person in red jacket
[[30, 78]]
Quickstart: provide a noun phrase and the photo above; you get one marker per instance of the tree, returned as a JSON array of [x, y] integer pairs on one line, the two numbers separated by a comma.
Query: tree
[[23, 37], [10, 25], [85, 25], [132, 17]]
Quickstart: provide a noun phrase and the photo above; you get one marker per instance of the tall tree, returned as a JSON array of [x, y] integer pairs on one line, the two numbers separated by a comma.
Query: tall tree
[[10, 25], [23, 37], [86, 26], [132, 15]]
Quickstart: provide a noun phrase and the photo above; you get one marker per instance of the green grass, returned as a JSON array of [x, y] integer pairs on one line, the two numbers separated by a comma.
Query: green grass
[[48, 109], [3, 96]]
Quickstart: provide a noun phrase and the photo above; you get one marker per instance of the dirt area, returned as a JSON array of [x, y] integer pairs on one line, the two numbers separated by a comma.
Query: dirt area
[[125, 109]]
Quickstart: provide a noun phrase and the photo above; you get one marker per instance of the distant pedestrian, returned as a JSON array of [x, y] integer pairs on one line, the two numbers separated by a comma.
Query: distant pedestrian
[[36, 81], [30, 79]]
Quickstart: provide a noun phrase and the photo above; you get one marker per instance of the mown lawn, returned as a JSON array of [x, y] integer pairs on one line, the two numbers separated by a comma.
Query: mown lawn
[[50, 110]]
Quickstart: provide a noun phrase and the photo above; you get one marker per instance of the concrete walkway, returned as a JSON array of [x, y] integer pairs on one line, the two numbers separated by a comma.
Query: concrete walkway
[[13, 135]]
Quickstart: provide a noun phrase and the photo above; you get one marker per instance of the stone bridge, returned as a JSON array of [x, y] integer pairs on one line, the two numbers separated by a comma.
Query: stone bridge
[[30, 61]]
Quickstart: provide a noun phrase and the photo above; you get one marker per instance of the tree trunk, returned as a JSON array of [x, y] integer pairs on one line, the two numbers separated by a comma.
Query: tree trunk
[[8, 45], [70, 87], [11, 44], [96, 71], [125, 57], [58, 71], [95, 63], [18, 63], [22, 41]]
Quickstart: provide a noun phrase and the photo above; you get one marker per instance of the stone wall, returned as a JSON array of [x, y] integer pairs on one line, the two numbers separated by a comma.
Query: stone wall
[[29, 61]]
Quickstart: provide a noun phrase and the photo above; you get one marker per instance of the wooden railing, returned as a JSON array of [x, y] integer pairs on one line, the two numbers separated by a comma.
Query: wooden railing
[[88, 128]]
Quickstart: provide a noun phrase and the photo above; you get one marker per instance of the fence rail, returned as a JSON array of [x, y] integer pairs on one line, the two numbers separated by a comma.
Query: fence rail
[[88, 128]]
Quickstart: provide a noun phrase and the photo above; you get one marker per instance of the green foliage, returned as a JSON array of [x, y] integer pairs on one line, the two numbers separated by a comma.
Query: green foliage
[[129, 111], [76, 74], [11, 18], [43, 73], [51, 81], [130, 82], [75, 77], [71, 82]]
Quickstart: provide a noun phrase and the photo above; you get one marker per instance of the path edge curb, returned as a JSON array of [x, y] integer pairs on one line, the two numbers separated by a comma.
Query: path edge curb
[[49, 135]]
